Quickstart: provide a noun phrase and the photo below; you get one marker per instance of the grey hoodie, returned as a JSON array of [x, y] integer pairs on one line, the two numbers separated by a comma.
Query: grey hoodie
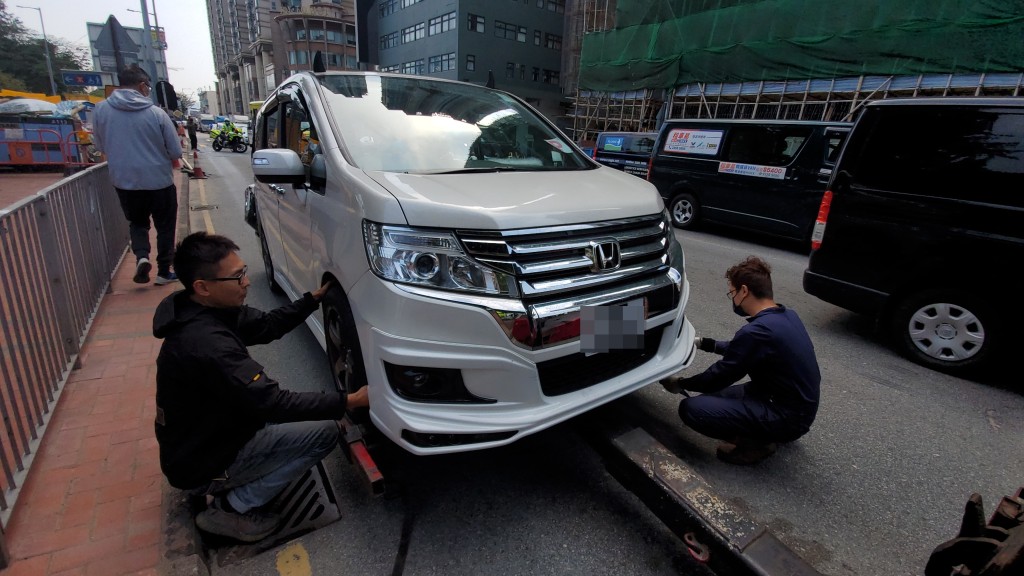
[[139, 139]]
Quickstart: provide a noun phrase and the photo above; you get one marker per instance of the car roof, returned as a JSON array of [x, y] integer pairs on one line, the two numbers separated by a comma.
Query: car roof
[[754, 121], [951, 101]]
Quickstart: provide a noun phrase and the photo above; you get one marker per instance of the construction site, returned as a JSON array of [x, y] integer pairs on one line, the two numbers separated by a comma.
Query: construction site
[[633, 63]]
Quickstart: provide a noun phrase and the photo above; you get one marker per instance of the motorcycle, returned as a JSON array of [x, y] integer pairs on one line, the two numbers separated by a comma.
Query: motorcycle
[[232, 141]]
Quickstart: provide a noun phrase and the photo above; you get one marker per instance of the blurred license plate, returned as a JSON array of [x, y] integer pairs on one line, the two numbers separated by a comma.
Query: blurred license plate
[[615, 327]]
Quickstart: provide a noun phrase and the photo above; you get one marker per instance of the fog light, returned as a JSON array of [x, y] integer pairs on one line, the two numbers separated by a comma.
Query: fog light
[[421, 384]]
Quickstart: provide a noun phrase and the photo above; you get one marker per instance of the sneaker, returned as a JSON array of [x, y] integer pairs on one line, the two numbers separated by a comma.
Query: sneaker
[[744, 454], [142, 271], [167, 278], [252, 526]]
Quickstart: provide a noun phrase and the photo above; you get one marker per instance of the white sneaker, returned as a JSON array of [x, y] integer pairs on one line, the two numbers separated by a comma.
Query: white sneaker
[[142, 271], [162, 279]]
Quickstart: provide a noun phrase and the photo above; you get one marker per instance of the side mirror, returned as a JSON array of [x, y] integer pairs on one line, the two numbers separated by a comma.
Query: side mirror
[[278, 166]]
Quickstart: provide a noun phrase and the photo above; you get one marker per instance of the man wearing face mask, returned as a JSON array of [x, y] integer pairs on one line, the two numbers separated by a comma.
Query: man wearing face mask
[[780, 401]]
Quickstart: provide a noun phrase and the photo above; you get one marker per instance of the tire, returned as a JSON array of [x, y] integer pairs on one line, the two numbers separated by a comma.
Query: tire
[[268, 263], [685, 211], [240, 146], [945, 330], [217, 145], [344, 354]]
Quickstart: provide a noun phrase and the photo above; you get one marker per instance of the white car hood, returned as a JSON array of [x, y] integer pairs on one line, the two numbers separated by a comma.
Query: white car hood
[[508, 200]]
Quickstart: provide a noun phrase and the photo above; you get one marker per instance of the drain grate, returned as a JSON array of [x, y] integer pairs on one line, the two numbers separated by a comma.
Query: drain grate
[[199, 207], [307, 504]]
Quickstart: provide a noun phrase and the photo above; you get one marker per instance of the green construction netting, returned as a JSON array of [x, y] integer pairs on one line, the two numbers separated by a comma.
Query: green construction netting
[[666, 43]]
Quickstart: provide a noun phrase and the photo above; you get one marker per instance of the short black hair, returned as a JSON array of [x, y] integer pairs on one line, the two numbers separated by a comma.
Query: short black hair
[[198, 256], [132, 75]]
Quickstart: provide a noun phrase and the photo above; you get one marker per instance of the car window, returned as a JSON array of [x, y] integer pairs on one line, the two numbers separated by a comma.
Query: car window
[[834, 144], [627, 143], [273, 132], [765, 145], [404, 124], [944, 151]]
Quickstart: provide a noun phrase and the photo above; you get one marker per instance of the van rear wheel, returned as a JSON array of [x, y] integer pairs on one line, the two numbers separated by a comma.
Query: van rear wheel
[[685, 211], [946, 330]]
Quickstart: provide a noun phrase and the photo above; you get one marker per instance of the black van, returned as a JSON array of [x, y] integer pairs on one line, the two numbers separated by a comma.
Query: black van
[[923, 228], [761, 175], [627, 151]]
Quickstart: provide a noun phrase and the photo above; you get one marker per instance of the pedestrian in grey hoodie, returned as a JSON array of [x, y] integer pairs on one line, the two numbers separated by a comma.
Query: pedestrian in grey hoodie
[[142, 149]]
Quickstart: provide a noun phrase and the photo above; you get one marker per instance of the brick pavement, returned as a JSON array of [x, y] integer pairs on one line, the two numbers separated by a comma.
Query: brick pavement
[[91, 504]]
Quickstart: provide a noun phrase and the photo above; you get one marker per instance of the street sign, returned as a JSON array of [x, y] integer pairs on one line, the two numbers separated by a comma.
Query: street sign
[[81, 78]]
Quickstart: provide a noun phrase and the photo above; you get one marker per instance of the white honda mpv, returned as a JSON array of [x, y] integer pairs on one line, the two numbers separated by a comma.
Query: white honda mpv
[[490, 280]]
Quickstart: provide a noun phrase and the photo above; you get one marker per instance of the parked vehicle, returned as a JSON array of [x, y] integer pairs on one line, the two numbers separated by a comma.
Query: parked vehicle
[[922, 228], [762, 175], [490, 280], [627, 151], [206, 122]]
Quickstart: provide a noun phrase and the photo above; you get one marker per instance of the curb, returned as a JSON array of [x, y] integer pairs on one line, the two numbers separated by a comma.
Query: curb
[[181, 550]]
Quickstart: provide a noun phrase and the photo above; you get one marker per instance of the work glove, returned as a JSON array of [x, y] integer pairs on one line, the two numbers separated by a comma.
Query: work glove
[[705, 344], [673, 384]]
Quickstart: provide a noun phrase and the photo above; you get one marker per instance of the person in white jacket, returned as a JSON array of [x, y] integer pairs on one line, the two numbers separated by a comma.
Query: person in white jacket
[[142, 150]]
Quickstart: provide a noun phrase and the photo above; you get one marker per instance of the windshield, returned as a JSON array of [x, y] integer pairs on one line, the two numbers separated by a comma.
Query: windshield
[[409, 124]]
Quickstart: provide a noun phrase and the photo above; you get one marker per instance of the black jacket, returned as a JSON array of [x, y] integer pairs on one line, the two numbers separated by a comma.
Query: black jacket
[[211, 396]]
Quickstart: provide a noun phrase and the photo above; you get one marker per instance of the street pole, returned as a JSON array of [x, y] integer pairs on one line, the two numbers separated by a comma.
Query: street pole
[[46, 47], [147, 47]]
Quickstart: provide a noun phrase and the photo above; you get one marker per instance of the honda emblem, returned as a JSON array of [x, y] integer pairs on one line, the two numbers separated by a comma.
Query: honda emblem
[[604, 255]]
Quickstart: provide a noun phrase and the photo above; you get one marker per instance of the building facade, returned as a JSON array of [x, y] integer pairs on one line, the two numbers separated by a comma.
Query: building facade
[[518, 43], [258, 43]]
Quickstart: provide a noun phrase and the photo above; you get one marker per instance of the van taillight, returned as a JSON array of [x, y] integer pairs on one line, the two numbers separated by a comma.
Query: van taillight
[[819, 222]]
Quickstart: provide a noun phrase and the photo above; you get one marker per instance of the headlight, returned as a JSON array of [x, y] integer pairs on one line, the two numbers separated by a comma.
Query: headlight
[[430, 258]]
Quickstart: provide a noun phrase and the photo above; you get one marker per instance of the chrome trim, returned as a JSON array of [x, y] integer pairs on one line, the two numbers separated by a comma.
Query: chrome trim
[[502, 304], [530, 289], [549, 310]]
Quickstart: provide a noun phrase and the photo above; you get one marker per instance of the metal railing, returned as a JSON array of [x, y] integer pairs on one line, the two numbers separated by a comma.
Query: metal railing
[[58, 251]]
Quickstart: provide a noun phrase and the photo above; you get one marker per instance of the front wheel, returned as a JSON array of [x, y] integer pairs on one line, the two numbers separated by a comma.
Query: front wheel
[[344, 355], [948, 331], [685, 211], [240, 146], [218, 145]]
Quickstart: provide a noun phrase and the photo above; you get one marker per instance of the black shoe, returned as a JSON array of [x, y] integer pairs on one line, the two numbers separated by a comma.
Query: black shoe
[[142, 271], [744, 454], [251, 526]]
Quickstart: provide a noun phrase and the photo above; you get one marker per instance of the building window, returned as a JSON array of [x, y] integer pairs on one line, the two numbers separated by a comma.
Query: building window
[[536, 74], [557, 6], [510, 70], [389, 41], [334, 60], [476, 23], [441, 24], [407, 3], [414, 32], [551, 76], [388, 7], [553, 41], [298, 57], [300, 33], [510, 31], [394, 68], [317, 34], [536, 37], [414, 67], [470, 62], [441, 63]]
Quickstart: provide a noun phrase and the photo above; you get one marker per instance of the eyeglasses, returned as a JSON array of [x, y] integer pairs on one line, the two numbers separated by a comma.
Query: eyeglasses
[[146, 84], [237, 278], [731, 294]]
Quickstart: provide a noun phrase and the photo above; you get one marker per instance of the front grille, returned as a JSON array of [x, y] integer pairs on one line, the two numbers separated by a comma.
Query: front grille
[[578, 371], [554, 262]]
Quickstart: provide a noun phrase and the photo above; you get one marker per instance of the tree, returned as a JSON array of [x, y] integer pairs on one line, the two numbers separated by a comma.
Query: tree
[[24, 61], [185, 101]]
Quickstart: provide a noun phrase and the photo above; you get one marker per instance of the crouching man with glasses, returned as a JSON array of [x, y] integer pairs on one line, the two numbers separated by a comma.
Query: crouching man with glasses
[[226, 429], [780, 401]]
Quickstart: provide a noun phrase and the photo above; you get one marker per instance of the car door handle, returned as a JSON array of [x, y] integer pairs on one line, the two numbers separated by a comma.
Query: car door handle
[[277, 189]]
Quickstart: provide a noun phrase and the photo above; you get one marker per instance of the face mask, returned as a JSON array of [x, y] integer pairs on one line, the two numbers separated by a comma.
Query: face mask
[[737, 308]]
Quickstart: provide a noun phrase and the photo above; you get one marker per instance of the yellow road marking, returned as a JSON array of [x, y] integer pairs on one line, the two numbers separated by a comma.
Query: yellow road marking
[[293, 560], [207, 220]]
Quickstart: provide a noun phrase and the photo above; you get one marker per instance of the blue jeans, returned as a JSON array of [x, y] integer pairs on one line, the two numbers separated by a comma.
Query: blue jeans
[[273, 458], [732, 414]]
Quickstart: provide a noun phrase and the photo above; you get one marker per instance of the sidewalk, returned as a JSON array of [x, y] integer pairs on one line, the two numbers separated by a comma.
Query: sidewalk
[[91, 504]]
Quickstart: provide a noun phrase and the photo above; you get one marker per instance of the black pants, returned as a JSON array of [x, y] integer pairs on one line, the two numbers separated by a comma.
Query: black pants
[[160, 205], [193, 140], [732, 414]]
